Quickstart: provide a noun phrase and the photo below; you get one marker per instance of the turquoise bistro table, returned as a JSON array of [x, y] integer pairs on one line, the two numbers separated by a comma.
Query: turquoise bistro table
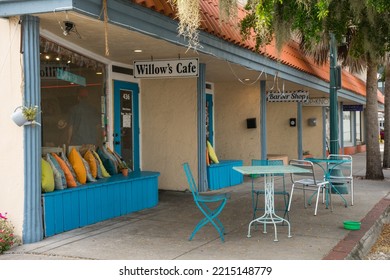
[[269, 171]]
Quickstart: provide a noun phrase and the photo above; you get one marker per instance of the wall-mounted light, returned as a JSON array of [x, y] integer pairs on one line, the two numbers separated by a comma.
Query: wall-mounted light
[[293, 122], [312, 122]]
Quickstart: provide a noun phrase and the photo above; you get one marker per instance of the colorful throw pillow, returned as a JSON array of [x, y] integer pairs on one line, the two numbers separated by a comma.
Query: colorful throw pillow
[[112, 158], [212, 155], [65, 159], [90, 178], [107, 162], [76, 161], [70, 179], [101, 167], [89, 157], [59, 176], [47, 179]]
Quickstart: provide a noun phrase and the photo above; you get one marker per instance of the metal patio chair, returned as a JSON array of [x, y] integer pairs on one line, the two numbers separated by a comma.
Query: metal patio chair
[[341, 172], [257, 192], [308, 181], [218, 201]]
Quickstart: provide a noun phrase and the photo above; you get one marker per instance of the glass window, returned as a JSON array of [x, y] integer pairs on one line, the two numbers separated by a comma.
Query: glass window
[[72, 97]]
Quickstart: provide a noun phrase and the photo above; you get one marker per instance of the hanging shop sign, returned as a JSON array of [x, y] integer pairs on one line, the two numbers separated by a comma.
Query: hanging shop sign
[[70, 77], [49, 70], [317, 102], [166, 68], [352, 107], [288, 96]]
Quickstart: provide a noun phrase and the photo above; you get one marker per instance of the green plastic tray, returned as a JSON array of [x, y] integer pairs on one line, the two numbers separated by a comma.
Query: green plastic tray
[[352, 225]]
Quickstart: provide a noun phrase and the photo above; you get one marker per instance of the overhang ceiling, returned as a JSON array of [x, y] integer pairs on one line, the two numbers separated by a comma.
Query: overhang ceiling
[[122, 42]]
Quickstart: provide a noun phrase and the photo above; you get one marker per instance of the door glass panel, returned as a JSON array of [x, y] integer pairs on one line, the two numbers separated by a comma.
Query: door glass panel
[[126, 126]]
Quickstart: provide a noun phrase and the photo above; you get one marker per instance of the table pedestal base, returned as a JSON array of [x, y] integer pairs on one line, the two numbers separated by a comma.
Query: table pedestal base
[[269, 216]]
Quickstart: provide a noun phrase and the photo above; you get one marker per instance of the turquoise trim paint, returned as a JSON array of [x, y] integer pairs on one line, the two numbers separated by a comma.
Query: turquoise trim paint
[[32, 221], [141, 19], [324, 144], [300, 129], [210, 112], [201, 103], [263, 120], [118, 86]]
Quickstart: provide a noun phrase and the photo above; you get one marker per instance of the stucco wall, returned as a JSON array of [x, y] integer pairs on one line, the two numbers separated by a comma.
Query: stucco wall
[[11, 140], [234, 103], [169, 129]]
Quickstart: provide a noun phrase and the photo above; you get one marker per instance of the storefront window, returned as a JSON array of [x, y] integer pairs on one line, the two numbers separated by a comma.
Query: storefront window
[[72, 97]]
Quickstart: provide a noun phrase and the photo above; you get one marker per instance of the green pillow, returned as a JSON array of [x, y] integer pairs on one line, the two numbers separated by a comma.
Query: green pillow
[[107, 163], [48, 184]]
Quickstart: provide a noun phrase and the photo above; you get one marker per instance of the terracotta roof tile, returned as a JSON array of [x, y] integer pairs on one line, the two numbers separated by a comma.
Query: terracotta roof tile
[[289, 55]]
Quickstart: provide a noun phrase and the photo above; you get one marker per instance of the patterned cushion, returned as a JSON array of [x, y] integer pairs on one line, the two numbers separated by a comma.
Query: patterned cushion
[[101, 167], [59, 176], [70, 179], [107, 162], [90, 178]]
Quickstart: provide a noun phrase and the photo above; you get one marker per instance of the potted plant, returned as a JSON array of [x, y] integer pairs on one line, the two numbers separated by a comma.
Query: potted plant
[[25, 115]]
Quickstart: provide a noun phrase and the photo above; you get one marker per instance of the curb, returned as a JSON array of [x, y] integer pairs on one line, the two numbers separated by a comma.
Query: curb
[[357, 244]]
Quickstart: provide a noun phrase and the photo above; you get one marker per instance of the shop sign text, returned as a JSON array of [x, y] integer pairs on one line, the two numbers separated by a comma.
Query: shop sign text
[[166, 68], [289, 96], [70, 77]]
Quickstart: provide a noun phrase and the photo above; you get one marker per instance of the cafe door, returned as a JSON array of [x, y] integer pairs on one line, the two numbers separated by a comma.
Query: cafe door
[[126, 122]]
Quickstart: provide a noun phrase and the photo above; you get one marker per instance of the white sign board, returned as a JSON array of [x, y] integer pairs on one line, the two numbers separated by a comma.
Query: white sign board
[[318, 102], [166, 68], [289, 96]]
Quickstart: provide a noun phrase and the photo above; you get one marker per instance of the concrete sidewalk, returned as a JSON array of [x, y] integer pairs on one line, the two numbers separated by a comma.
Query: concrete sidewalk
[[162, 233]]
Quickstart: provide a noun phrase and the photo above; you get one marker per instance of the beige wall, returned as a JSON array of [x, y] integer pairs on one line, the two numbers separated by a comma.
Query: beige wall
[[169, 129], [234, 103], [11, 140]]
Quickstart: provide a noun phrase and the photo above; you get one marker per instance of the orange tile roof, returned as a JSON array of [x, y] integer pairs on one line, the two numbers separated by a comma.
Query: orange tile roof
[[289, 55]]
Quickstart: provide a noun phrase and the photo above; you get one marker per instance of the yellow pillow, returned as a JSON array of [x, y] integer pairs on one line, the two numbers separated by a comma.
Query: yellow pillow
[[48, 183], [76, 161], [104, 171], [89, 157], [212, 154]]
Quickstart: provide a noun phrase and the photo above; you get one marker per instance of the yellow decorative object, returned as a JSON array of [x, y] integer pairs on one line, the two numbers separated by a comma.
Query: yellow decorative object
[[212, 154], [48, 183], [89, 157], [78, 166]]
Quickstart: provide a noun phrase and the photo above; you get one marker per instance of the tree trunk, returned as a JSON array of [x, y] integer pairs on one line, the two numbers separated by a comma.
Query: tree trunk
[[386, 153], [373, 158]]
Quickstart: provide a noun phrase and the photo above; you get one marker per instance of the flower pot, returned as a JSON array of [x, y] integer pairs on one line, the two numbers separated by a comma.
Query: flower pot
[[125, 172], [18, 117]]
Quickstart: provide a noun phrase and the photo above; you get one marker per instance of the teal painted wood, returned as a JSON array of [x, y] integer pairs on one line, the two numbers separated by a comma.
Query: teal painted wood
[[32, 216], [222, 175], [201, 117], [94, 202]]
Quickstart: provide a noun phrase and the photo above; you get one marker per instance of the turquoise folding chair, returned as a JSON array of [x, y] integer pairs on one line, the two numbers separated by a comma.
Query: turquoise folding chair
[[201, 200], [257, 192]]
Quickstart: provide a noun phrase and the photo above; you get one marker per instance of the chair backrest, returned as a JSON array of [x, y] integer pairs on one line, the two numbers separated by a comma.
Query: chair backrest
[[190, 180], [258, 162], [305, 164], [344, 167], [276, 162]]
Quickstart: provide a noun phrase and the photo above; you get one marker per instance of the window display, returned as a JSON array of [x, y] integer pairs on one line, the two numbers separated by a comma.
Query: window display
[[72, 90]]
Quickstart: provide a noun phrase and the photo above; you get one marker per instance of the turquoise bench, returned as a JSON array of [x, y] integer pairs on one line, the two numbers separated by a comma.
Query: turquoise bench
[[221, 175], [93, 202]]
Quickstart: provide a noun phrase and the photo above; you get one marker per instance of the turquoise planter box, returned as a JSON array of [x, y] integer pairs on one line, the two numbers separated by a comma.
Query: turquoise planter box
[[98, 201], [221, 175]]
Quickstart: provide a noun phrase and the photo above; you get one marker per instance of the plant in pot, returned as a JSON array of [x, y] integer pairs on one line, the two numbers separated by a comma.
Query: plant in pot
[[124, 168], [24, 115]]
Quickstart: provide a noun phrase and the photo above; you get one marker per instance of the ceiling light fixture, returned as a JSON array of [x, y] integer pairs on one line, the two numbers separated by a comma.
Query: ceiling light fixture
[[69, 27], [138, 51]]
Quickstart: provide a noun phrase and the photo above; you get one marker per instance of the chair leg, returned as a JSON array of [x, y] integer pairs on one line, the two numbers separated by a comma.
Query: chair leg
[[351, 183], [210, 216], [291, 195], [318, 196]]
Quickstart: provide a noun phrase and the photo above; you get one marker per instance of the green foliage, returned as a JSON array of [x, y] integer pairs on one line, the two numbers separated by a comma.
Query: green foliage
[[7, 238]]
